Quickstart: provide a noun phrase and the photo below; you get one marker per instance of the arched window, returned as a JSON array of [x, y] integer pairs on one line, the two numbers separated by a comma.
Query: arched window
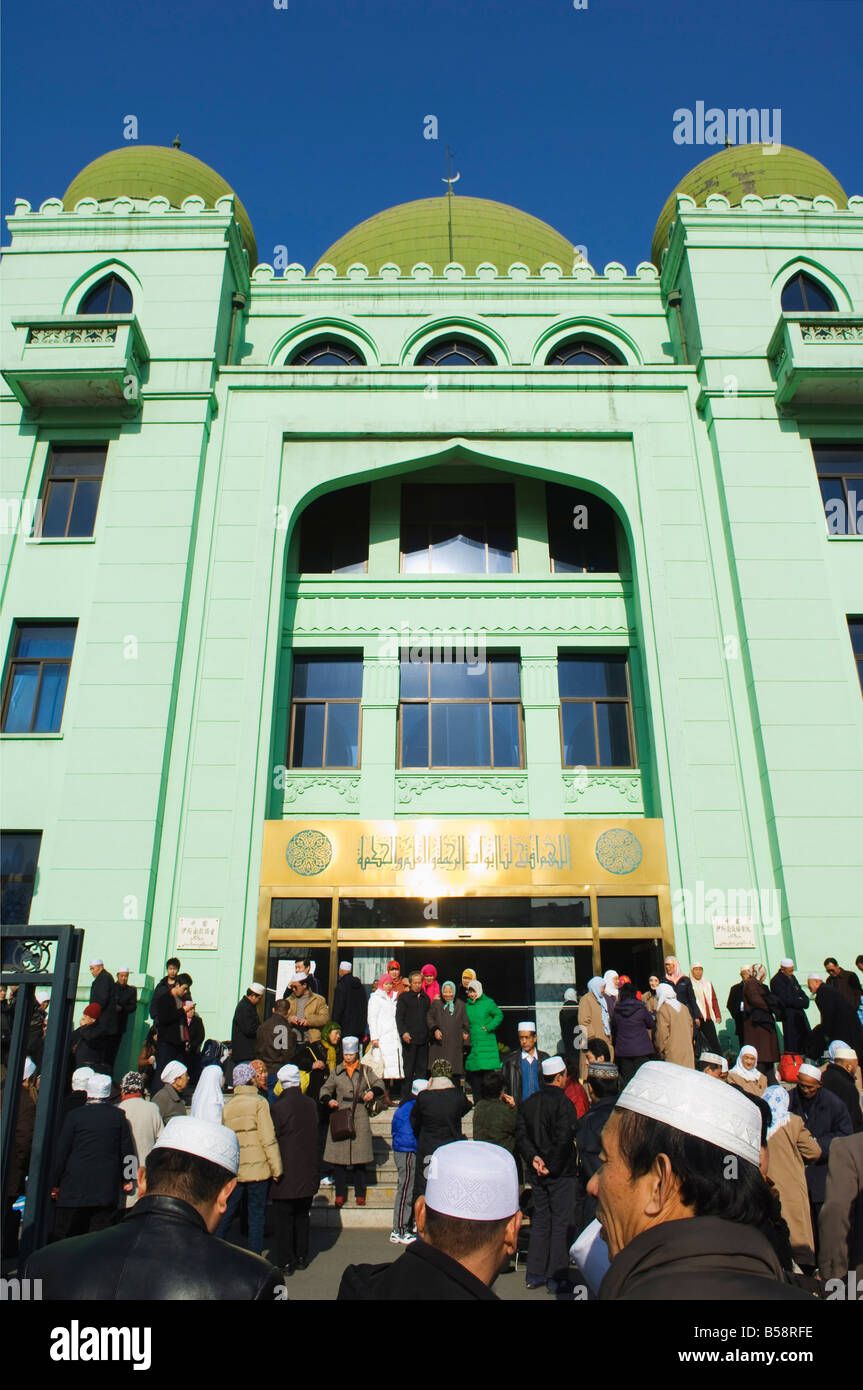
[[111, 296], [454, 352], [802, 294], [327, 352], [582, 352]]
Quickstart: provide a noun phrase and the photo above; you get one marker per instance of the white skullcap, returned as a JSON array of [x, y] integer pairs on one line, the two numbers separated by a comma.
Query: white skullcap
[[29, 1068], [552, 1065], [419, 1085], [204, 1139], [346, 965], [688, 1100], [813, 975], [806, 1069], [80, 1077], [122, 969], [171, 1072], [844, 1054], [787, 962], [527, 1027], [289, 1075], [98, 1086], [97, 961], [351, 1046], [256, 988], [42, 995], [696, 965], [300, 975], [714, 1059], [473, 1181]]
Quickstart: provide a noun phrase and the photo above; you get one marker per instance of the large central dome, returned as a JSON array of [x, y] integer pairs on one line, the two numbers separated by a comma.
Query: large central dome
[[481, 231]]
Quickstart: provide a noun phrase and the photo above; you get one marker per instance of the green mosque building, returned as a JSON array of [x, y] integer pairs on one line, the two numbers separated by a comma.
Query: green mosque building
[[454, 600]]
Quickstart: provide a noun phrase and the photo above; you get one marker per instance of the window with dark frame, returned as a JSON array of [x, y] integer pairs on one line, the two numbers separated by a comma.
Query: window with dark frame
[[454, 352], [19, 859], [840, 477], [458, 528], [595, 710], [326, 353], [583, 352], [37, 677], [802, 294], [460, 713], [111, 296], [855, 631], [581, 533], [325, 711], [334, 533], [70, 495]]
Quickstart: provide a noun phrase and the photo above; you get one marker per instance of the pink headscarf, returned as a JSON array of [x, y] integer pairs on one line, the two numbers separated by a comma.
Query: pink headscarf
[[431, 988], [385, 979], [676, 972]]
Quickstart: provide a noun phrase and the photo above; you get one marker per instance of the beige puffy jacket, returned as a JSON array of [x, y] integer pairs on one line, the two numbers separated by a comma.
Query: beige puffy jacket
[[248, 1115]]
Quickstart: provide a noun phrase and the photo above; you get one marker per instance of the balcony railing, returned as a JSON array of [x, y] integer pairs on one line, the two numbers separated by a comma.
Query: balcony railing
[[817, 359], [79, 361]]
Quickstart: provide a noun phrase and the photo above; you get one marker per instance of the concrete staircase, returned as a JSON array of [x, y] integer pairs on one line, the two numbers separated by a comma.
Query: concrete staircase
[[377, 1214]]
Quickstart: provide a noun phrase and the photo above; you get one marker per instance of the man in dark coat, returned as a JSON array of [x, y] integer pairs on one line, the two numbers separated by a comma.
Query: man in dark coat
[[845, 981], [125, 1005], [102, 993], [295, 1121], [602, 1088], [545, 1136], [734, 1005], [652, 1191], [436, 1118], [89, 1040], [412, 1025], [521, 1068], [350, 1003], [94, 1163], [838, 1077], [468, 1224], [839, 1021], [826, 1118], [172, 970], [275, 1044], [164, 1249], [791, 1005], [172, 1033], [245, 1025]]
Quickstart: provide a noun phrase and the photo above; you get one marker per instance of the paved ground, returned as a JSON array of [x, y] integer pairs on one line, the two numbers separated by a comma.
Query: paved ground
[[331, 1250]]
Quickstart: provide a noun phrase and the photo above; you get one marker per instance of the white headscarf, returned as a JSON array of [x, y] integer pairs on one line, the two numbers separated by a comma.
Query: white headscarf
[[739, 1070], [665, 995], [777, 1098], [610, 987], [475, 986], [596, 986], [208, 1101]]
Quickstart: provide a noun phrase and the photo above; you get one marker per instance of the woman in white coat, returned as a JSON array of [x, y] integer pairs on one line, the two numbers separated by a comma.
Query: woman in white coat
[[383, 1031]]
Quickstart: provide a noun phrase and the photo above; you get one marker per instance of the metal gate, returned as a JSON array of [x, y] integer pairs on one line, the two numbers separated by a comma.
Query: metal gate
[[34, 957]]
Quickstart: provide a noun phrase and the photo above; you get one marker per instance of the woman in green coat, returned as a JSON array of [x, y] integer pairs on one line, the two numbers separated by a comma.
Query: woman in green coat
[[484, 1018]]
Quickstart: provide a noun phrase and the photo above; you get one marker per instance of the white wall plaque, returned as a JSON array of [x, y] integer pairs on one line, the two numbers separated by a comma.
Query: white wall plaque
[[733, 931], [198, 934]]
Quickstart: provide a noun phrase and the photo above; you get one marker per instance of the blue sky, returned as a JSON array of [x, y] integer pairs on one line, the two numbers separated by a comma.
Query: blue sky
[[314, 113]]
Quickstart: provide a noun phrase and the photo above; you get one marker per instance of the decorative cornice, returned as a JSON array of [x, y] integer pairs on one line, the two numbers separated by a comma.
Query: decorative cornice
[[298, 785], [626, 785], [413, 787]]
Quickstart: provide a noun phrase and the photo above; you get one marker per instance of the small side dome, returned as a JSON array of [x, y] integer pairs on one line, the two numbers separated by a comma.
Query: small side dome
[[743, 169], [482, 230], [151, 171]]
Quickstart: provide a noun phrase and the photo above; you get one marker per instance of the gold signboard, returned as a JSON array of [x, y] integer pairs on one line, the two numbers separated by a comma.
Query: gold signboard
[[437, 857]]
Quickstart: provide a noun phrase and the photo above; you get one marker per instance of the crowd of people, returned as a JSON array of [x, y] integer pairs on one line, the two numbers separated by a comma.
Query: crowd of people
[[290, 1100]]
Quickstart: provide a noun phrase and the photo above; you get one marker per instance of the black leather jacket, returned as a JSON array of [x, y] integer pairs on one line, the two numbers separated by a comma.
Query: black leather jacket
[[162, 1250]]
